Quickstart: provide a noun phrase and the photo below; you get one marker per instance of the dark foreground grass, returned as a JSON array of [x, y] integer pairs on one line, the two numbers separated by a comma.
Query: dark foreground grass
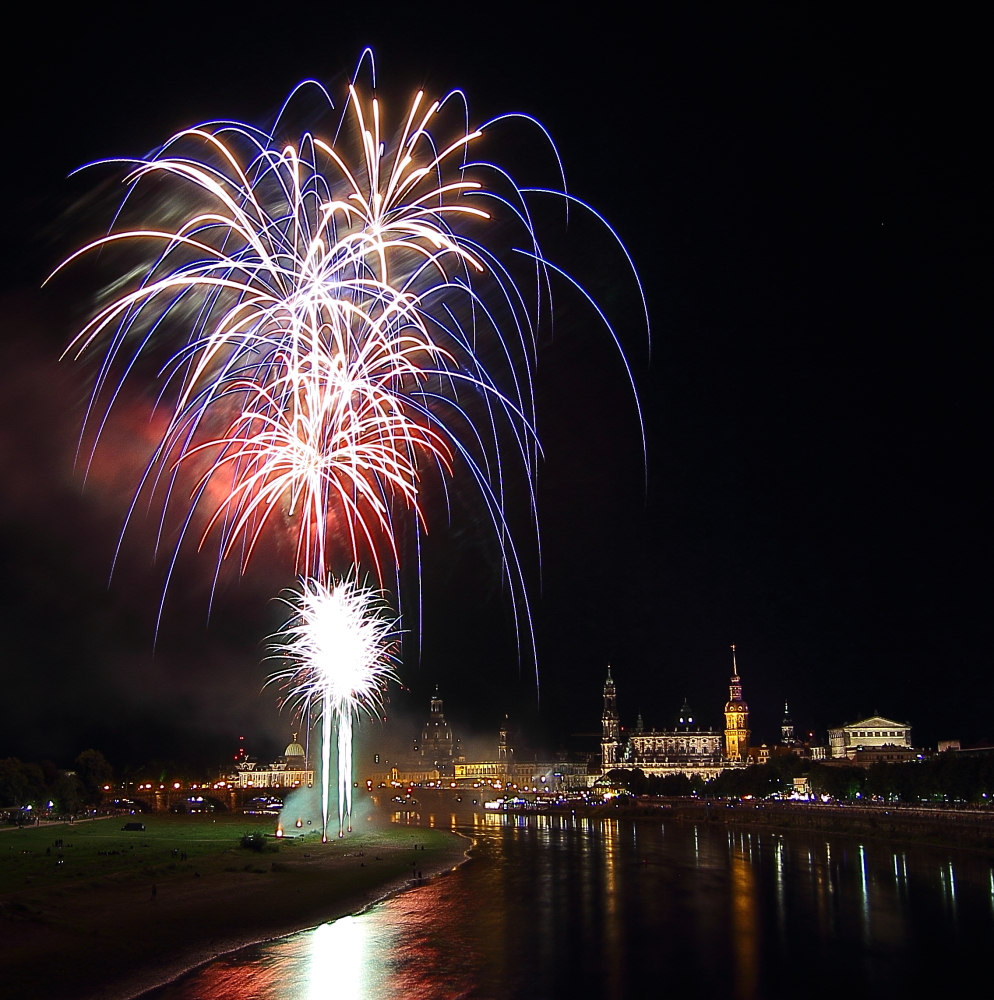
[[91, 927]]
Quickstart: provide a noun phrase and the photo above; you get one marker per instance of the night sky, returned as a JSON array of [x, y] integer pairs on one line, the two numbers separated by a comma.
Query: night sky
[[803, 200]]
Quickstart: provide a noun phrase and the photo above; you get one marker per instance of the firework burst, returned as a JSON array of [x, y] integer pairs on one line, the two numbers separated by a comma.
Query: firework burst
[[325, 370], [332, 327]]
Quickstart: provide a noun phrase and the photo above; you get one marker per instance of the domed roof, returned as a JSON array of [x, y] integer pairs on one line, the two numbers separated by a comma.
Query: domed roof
[[294, 749]]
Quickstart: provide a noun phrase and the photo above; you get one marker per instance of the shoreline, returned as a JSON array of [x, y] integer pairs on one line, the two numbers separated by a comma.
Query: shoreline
[[113, 940], [960, 830], [442, 867]]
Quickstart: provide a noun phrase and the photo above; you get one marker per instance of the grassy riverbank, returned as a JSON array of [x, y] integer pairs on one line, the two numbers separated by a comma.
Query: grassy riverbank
[[85, 925]]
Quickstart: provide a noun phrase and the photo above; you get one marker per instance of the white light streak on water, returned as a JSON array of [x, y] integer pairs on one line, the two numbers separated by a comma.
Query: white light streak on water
[[337, 958], [864, 892], [781, 908]]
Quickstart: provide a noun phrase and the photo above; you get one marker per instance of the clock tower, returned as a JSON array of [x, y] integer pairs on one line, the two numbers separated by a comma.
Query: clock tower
[[736, 718]]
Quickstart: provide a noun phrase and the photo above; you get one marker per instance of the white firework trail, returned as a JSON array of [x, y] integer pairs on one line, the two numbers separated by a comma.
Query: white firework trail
[[342, 646], [333, 326]]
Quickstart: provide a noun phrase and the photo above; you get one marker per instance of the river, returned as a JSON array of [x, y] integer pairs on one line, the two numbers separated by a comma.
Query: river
[[569, 907]]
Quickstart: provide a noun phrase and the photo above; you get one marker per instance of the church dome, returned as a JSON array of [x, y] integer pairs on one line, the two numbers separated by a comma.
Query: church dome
[[294, 749]]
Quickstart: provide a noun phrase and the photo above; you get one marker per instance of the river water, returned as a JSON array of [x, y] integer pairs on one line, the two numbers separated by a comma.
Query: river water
[[569, 907]]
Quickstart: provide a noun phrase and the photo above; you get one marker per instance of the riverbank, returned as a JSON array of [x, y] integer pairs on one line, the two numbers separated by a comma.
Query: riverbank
[[144, 921], [971, 830]]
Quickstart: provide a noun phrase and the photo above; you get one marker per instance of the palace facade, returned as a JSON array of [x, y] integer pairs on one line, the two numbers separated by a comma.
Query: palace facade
[[687, 748], [290, 771]]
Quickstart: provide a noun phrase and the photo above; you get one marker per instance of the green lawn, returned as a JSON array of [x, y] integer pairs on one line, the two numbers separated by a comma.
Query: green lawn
[[30, 859]]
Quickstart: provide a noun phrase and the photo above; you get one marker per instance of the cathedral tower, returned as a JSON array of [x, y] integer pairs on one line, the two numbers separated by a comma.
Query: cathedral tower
[[787, 727], [610, 729], [504, 752], [736, 718]]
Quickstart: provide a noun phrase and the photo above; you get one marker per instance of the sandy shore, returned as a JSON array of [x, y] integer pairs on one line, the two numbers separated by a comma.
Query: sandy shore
[[110, 940]]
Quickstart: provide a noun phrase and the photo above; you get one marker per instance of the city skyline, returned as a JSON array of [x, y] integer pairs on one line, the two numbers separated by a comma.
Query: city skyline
[[812, 407]]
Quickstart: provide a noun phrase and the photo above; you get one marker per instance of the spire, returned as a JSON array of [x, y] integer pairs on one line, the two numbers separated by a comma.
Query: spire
[[735, 688], [736, 717], [787, 727], [436, 705], [610, 727]]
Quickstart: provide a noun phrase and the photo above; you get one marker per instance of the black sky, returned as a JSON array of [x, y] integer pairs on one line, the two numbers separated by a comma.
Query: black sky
[[803, 199]]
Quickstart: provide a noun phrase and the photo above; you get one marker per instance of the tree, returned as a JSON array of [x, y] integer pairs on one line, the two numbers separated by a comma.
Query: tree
[[94, 772], [759, 780], [13, 782], [20, 784], [68, 793], [838, 781]]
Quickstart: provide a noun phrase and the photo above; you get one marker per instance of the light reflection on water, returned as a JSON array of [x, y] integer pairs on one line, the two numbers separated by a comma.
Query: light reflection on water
[[564, 907]]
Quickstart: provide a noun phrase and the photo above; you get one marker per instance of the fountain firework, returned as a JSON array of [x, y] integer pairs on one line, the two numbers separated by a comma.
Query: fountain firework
[[333, 303], [341, 642]]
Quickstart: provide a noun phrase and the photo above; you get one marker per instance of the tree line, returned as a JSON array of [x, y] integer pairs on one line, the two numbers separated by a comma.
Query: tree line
[[949, 777], [70, 791]]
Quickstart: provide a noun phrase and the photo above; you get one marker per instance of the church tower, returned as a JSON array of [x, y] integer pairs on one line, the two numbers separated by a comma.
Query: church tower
[[504, 752], [736, 718], [787, 727], [436, 744], [610, 729]]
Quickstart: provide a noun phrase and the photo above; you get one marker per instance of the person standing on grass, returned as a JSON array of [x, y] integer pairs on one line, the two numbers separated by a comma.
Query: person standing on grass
[[155, 891]]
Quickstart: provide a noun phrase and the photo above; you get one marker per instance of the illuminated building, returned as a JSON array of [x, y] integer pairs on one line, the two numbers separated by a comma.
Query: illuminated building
[[685, 749], [292, 770], [736, 718], [869, 734]]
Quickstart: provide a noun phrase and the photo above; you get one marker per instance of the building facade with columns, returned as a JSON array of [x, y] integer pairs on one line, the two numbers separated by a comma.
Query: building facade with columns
[[874, 733], [286, 773]]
